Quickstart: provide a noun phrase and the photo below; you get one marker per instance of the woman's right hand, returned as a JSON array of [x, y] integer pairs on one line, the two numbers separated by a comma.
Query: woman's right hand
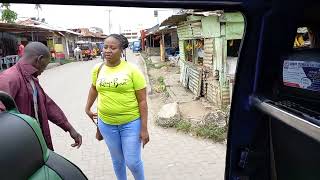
[[91, 115]]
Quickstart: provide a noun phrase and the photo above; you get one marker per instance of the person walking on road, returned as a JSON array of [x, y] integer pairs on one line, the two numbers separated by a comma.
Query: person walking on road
[[21, 82], [77, 53], [122, 108]]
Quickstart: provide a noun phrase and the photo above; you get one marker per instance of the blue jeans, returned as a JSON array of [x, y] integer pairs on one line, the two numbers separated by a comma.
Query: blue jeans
[[124, 145]]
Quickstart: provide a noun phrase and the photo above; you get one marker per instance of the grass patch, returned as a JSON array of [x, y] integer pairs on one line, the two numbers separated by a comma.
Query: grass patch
[[144, 55], [158, 66], [147, 60], [213, 132], [161, 80], [149, 63], [167, 94], [160, 86], [66, 61], [184, 126]]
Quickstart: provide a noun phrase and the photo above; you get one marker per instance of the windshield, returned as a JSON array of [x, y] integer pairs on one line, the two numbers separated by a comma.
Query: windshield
[[185, 60]]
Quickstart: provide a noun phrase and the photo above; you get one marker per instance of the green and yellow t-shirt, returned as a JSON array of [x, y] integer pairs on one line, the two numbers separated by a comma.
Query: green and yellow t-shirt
[[116, 86]]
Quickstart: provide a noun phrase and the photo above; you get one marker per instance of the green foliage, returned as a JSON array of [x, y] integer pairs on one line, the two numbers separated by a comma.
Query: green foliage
[[8, 15], [184, 126], [214, 132], [160, 86], [207, 131]]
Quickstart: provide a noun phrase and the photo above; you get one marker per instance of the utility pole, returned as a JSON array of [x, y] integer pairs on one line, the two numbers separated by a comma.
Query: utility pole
[[155, 14], [109, 23], [120, 30]]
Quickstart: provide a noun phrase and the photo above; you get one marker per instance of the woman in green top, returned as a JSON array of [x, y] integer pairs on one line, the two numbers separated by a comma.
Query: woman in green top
[[122, 107]]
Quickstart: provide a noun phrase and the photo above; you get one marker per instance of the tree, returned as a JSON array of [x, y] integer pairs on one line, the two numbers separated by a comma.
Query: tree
[[38, 8], [8, 15]]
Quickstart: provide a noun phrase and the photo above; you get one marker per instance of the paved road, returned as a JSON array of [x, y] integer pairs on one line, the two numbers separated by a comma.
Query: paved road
[[168, 156]]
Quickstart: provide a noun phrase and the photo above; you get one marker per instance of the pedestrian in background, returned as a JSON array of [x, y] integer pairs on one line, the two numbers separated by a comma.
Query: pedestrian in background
[[77, 53], [122, 108]]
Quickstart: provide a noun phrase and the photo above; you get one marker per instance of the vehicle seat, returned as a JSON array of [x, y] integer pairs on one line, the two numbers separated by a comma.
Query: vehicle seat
[[24, 153]]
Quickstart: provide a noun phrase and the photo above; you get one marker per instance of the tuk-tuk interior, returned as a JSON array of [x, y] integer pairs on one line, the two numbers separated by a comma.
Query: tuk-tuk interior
[[275, 133]]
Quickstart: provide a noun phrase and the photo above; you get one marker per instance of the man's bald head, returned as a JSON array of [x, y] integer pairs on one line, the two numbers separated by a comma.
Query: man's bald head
[[35, 49], [38, 55]]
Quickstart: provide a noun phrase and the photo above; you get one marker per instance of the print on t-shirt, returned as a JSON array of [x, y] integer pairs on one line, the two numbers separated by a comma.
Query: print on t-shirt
[[116, 82]]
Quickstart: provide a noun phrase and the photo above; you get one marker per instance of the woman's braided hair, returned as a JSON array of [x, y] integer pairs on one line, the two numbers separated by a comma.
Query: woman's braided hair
[[124, 43]]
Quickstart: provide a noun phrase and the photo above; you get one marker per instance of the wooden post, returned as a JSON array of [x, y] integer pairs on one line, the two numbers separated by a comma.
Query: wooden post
[[152, 41], [67, 46], [171, 39], [162, 48]]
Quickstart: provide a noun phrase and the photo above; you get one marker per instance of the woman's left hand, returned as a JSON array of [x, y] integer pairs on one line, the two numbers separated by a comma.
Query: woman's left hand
[[144, 135]]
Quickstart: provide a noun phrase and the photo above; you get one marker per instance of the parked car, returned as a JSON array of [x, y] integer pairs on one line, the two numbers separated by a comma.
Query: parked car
[[136, 46]]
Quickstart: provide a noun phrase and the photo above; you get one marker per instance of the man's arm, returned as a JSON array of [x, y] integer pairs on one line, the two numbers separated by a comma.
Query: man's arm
[[56, 115]]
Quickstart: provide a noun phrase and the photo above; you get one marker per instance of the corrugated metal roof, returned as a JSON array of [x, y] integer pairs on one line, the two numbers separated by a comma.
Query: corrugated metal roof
[[174, 20], [39, 24], [85, 32], [210, 13], [167, 29], [16, 28], [152, 30]]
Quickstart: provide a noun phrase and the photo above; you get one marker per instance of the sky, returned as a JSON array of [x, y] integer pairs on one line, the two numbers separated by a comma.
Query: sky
[[94, 16]]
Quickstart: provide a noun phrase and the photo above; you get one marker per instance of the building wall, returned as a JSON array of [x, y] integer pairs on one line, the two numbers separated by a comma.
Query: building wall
[[209, 53], [212, 89], [153, 51], [181, 49], [191, 74], [195, 79], [174, 38], [211, 27], [131, 34], [184, 32], [191, 77], [215, 31]]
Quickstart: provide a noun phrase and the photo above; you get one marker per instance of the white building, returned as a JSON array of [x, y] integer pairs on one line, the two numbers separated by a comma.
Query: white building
[[131, 33]]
